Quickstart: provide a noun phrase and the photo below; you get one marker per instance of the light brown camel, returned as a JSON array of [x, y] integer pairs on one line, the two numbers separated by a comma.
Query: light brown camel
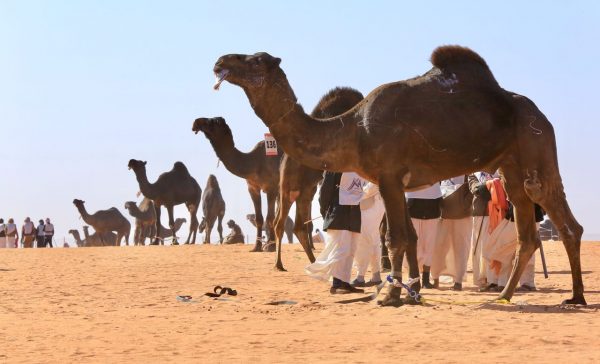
[[80, 243], [453, 120], [170, 189], [298, 183], [145, 220], [167, 232], [104, 221], [96, 239], [260, 171], [213, 209]]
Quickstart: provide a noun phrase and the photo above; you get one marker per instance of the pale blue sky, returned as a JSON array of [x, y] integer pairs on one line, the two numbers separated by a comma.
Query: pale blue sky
[[87, 85]]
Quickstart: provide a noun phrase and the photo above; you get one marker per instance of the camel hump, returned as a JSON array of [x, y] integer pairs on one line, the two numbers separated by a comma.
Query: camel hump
[[445, 56], [179, 166], [336, 102], [464, 63]]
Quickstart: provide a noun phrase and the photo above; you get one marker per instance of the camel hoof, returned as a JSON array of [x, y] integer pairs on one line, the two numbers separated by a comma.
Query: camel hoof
[[392, 298], [408, 300], [575, 301], [279, 267], [257, 248], [174, 243], [270, 247]]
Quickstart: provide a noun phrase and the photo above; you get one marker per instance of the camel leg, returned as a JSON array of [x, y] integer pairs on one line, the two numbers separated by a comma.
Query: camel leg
[[283, 208], [400, 237], [527, 238], [193, 209], [220, 228], [209, 227], [302, 231], [271, 200], [157, 239], [550, 195], [256, 201], [172, 224]]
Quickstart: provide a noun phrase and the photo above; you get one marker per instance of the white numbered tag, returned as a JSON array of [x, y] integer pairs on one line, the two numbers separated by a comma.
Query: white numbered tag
[[270, 145]]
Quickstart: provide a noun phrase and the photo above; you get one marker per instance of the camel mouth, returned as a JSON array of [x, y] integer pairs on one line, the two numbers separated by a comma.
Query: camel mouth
[[220, 77]]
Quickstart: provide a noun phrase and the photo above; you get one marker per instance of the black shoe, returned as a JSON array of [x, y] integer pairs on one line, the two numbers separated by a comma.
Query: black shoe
[[499, 288], [358, 283], [526, 288], [426, 283], [345, 288], [490, 287], [457, 287]]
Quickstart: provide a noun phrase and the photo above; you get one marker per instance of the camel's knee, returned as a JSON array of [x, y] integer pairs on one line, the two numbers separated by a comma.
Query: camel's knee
[[533, 186]]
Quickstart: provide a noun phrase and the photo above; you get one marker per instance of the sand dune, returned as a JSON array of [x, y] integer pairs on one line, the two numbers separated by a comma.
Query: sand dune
[[119, 305]]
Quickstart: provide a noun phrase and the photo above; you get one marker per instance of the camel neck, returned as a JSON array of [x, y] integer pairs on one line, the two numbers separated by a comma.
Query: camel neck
[[84, 214], [145, 186], [316, 143], [86, 233], [235, 161], [76, 236]]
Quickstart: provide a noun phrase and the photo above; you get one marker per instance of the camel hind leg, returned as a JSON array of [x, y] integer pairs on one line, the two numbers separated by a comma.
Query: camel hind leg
[[193, 208], [400, 237], [257, 202], [283, 209], [553, 200], [220, 227]]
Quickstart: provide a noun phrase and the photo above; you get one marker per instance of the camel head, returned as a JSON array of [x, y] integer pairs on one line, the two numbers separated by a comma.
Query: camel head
[[78, 203], [212, 182], [73, 231], [136, 165], [202, 225], [251, 218], [129, 204], [246, 71], [215, 130]]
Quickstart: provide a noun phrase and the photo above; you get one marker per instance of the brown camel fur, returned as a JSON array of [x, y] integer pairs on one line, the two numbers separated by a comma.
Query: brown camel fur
[[213, 209], [298, 183], [145, 220], [260, 171], [96, 239], [453, 120], [170, 189], [105, 221]]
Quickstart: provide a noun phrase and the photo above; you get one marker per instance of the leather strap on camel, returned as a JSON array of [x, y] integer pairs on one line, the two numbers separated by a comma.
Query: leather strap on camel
[[498, 204]]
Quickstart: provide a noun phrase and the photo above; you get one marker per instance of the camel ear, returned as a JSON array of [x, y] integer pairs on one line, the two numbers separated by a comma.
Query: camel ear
[[145, 162]]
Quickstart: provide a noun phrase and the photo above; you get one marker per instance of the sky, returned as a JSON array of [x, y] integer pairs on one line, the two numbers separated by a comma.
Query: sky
[[87, 85]]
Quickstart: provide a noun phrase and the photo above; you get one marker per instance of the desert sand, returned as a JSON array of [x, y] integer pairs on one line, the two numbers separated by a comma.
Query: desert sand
[[117, 305]]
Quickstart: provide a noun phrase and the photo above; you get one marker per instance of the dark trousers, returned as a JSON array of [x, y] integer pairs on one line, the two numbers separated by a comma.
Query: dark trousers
[[40, 241], [48, 241]]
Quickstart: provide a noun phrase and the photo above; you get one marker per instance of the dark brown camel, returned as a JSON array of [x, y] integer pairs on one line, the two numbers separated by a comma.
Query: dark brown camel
[[453, 120], [260, 171], [145, 220], [213, 208], [170, 189], [105, 221], [298, 183]]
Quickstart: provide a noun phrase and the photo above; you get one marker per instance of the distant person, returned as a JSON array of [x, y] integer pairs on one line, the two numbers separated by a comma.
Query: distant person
[[12, 234], [28, 233], [235, 236], [48, 233], [39, 236], [2, 234]]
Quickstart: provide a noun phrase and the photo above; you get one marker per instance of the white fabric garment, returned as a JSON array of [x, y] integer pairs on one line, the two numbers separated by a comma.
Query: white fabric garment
[[48, 229], [368, 250], [449, 186], [10, 241], [478, 239], [40, 230], [432, 192], [3, 239], [28, 228], [426, 236], [351, 188], [451, 250], [336, 259], [501, 246], [318, 237]]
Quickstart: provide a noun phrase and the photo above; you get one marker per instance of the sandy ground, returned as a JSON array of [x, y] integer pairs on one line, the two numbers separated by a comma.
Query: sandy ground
[[119, 305]]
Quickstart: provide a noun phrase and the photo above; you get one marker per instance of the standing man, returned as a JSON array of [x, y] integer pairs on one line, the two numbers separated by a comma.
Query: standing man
[[424, 209], [339, 199], [48, 233], [40, 239], [451, 251], [12, 234], [28, 233], [3, 239]]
